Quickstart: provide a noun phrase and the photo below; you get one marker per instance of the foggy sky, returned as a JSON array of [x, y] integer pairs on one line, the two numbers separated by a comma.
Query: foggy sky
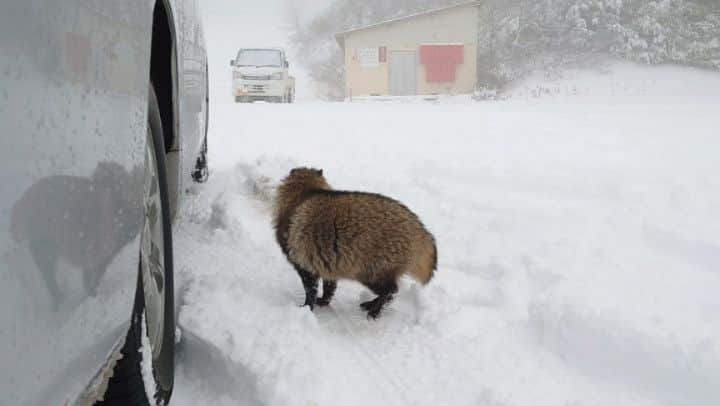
[[232, 24]]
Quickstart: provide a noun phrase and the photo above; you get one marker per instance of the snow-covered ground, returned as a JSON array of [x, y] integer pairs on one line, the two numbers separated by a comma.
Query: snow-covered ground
[[578, 236]]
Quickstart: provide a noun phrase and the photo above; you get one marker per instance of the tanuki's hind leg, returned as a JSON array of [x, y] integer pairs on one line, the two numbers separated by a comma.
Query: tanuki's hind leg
[[329, 288], [385, 291]]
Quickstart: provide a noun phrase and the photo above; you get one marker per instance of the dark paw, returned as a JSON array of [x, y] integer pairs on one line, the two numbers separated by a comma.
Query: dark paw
[[374, 313], [320, 302], [373, 308], [310, 304], [368, 305]]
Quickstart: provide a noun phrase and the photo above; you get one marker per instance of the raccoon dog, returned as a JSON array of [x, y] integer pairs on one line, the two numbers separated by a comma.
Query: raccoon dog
[[358, 236]]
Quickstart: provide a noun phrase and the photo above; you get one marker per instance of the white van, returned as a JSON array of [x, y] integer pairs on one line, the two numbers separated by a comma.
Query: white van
[[262, 74]]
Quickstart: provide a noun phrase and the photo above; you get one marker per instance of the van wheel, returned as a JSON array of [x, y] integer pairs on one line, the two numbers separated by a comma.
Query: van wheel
[[145, 374]]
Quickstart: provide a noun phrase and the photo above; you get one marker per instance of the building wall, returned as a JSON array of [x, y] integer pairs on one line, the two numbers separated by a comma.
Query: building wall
[[453, 26]]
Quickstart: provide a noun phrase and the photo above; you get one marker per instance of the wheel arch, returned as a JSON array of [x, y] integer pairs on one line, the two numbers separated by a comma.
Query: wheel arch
[[164, 77]]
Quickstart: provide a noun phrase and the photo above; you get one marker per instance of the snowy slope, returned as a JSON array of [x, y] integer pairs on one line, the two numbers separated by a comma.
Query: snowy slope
[[610, 81], [578, 254]]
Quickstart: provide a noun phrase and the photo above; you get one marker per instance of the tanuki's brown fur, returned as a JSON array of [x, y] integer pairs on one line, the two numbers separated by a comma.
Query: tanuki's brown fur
[[337, 235]]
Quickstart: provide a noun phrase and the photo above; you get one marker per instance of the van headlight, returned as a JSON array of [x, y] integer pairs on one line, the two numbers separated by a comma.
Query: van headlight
[[277, 76]]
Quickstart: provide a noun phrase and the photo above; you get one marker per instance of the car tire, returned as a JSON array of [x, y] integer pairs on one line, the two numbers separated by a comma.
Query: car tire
[[128, 385]]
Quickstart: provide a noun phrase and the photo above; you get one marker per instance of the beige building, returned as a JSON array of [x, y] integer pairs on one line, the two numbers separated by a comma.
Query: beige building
[[434, 52]]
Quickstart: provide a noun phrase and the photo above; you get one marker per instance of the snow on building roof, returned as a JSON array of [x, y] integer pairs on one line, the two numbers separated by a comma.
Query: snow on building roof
[[340, 37]]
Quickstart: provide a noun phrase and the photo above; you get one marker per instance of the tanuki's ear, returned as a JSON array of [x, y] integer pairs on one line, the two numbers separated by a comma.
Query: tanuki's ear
[[320, 172]]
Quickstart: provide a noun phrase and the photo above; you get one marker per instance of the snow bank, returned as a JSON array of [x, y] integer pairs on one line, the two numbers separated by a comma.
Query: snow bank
[[611, 81]]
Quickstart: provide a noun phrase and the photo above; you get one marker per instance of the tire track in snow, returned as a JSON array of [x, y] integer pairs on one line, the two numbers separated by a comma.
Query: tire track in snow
[[391, 387]]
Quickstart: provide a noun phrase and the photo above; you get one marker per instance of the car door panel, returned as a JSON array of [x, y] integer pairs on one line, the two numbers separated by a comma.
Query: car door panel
[[73, 107]]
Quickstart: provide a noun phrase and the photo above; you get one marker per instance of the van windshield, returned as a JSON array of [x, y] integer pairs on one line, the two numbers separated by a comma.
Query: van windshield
[[259, 57]]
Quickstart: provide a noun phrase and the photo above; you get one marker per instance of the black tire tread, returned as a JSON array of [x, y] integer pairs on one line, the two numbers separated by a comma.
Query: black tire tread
[[126, 387]]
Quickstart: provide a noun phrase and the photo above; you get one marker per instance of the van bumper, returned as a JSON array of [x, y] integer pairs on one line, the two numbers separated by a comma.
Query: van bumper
[[258, 88]]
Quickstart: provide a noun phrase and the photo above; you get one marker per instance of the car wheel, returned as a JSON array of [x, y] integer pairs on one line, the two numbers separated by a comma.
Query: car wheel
[[145, 374]]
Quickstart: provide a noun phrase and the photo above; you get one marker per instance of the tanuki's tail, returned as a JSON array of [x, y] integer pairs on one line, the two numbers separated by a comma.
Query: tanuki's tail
[[423, 269]]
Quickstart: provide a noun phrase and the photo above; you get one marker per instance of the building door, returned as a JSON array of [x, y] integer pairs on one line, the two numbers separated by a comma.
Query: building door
[[403, 73]]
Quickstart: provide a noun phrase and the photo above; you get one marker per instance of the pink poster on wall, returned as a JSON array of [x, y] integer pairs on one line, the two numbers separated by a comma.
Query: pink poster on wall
[[441, 61]]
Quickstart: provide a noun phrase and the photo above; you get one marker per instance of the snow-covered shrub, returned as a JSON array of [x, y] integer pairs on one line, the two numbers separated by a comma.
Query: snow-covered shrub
[[484, 93]]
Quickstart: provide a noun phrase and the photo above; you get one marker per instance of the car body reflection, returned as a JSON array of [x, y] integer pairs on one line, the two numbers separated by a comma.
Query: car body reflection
[[83, 221]]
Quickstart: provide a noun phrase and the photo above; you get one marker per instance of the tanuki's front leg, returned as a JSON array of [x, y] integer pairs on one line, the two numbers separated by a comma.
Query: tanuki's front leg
[[329, 288], [310, 283]]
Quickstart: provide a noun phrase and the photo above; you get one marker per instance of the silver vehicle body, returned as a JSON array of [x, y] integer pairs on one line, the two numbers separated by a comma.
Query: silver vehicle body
[[74, 78]]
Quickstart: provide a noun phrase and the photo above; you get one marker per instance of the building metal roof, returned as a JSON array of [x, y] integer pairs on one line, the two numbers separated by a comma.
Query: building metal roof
[[340, 37]]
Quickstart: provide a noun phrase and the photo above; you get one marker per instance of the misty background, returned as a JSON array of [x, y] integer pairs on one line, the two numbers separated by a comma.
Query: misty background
[[518, 37], [231, 24]]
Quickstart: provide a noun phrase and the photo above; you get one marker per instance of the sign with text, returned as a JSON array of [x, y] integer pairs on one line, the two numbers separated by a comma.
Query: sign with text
[[368, 57]]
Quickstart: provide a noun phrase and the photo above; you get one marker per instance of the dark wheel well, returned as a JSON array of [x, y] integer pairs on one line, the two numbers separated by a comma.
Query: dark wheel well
[[162, 71]]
